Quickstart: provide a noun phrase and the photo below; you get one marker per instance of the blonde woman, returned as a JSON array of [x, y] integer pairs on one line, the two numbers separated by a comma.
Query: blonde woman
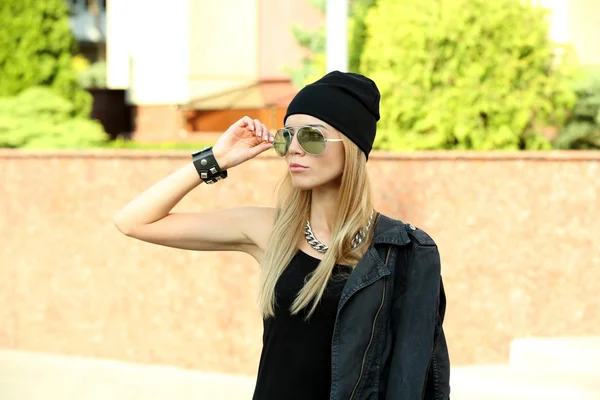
[[352, 300]]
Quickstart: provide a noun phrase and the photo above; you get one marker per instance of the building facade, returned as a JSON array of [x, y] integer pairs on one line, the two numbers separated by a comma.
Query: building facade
[[197, 65], [88, 23]]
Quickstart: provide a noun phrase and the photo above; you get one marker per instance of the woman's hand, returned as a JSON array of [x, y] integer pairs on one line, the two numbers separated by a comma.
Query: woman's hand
[[244, 140]]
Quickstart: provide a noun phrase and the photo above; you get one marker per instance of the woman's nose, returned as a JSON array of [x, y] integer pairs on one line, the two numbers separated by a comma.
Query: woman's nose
[[295, 147]]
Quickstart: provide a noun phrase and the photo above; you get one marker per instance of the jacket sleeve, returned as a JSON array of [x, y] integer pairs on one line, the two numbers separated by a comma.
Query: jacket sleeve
[[417, 325]]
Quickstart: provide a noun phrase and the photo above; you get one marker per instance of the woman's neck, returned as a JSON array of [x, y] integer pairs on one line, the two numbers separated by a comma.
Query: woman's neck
[[323, 209]]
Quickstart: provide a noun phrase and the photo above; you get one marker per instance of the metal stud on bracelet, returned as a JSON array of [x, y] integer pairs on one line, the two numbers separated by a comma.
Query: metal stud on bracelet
[[207, 166]]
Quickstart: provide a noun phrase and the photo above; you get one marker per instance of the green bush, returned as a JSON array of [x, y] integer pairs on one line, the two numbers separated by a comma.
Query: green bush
[[466, 74], [94, 76], [39, 118], [37, 50], [582, 130]]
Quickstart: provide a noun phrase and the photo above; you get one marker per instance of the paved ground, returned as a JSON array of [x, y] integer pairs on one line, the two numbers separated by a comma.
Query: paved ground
[[30, 376], [549, 369]]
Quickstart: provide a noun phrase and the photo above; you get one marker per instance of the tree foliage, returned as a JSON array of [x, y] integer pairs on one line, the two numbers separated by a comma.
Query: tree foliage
[[37, 50], [582, 130], [39, 118], [465, 74], [314, 64], [357, 31]]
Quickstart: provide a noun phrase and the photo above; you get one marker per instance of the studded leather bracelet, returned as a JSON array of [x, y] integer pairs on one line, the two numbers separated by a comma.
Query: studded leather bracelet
[[207, 166]]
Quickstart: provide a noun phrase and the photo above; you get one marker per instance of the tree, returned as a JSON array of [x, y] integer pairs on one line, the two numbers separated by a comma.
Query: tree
[[357, 31], [466, 74], [314, 64], [37, 49]]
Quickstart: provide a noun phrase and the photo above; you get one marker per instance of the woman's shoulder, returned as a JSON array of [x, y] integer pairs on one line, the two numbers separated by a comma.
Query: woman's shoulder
[[263, 211], [259, 222], [406, 231], [419, 249], [260, 218], [419, 235]]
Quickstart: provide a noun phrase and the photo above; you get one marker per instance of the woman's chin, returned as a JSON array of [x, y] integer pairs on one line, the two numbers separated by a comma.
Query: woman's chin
[[302, 183], [306, 182], [299, 186]]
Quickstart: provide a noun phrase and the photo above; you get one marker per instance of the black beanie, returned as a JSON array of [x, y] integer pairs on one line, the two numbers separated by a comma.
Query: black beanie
[[347, 101]]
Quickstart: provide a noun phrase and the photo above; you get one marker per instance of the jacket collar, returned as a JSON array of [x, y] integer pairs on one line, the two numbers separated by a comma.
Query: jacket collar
[[371, 266], [389, 231]]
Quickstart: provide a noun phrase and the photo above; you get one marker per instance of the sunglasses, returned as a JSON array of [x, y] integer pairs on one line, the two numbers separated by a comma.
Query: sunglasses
[[311, 140]]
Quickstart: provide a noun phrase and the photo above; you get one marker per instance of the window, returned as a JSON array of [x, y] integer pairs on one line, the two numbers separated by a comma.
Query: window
[[86, 4]]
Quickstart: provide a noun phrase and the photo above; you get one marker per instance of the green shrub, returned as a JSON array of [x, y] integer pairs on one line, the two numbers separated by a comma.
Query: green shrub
[[465, 74], [582, 130], [39, 118], [94, 76], [37, 50]]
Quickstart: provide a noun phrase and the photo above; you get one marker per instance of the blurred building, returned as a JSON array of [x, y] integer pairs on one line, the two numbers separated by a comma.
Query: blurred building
[[197, 66], [577, 22], [88, 23]]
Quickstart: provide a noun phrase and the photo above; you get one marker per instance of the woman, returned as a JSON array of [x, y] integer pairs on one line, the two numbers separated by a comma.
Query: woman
[[352, 301]]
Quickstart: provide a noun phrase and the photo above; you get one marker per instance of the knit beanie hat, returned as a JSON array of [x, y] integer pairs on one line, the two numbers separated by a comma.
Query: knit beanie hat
[[347, 101]]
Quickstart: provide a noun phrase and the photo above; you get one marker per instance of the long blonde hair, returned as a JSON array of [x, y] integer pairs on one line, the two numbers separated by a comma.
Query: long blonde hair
[[355, 203]]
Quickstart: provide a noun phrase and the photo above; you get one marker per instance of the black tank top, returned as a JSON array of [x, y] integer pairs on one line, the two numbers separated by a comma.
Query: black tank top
[[295, 362]]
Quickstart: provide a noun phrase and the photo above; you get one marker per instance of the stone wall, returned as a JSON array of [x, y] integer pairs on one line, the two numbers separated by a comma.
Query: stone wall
[[518, 235]]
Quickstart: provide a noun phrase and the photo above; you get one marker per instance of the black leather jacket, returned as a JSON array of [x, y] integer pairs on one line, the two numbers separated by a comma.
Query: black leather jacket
[[388, 341]]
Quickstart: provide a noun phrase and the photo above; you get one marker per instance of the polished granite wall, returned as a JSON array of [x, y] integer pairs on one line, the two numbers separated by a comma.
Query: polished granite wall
[[518, 235]]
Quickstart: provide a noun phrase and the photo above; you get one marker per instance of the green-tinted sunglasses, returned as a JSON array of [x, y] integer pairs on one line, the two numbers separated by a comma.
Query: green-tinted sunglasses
[[311, 140]]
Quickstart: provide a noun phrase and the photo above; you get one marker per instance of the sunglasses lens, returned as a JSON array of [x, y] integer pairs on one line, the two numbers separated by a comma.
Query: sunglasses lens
[[281, 142], [311, 140]]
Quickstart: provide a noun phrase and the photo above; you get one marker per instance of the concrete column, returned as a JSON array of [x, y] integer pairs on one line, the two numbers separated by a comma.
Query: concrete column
[[337, 35]]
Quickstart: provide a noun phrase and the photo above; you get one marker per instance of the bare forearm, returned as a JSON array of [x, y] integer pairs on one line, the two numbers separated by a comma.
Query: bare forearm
[[244, 140], [157, 201]]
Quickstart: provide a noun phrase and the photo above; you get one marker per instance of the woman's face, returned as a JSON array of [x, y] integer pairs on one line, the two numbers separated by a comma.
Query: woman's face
[[310, 171]]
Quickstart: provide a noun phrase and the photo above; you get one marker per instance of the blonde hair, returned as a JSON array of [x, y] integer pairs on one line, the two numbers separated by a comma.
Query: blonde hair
[[355, 203]]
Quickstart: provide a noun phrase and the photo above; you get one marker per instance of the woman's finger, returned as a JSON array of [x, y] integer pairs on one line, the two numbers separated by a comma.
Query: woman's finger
[[258, 128], [247, 122], [267, 137]]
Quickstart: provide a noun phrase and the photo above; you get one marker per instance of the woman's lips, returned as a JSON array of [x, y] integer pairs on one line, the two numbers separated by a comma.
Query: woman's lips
[[297, 168]]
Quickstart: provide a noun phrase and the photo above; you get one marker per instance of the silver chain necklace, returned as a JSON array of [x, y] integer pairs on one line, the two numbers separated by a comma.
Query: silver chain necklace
[[321, 248]]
